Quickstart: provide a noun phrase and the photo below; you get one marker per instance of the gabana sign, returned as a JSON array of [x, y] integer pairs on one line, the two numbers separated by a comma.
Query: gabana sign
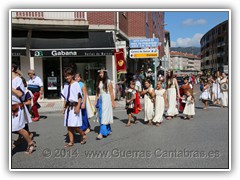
[[57, 53]]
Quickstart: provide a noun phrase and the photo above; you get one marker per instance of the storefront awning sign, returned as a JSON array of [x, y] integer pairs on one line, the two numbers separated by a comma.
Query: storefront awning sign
[[72, 52]]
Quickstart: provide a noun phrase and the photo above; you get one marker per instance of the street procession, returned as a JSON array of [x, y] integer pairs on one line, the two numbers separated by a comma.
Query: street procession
[[89, 83]]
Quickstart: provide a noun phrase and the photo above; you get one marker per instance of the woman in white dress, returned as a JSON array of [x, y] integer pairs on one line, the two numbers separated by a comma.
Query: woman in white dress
[[218, 95], [189, 109], [215, 90], [160, 103], [104, 102], [224, 90], [18, 117], [172, 95], [72, 95], [149, 96]]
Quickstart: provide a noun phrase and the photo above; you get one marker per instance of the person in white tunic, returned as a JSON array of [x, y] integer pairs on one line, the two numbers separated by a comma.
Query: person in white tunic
[[72, 95], [148, 102], [205, 96], [216, 93], [160, 103], [18, 116], [224, 90], [172, 92], [104, 102], [189, 109]]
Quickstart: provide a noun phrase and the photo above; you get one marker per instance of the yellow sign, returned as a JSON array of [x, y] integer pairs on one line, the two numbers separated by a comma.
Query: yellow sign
[[145, 55]]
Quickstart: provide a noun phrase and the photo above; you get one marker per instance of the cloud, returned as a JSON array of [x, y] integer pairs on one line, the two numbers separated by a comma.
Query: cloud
[[186, 42], [191, 22], [173, 44]]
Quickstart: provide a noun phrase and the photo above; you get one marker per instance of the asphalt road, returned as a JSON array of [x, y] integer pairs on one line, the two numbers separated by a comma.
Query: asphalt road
[[198, 143]]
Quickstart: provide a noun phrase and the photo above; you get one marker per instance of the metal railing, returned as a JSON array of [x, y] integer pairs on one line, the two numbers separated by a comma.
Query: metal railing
[[50, 15]]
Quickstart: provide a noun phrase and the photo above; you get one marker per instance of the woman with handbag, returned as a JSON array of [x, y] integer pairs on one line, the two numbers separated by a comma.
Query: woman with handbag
[[104, 102]]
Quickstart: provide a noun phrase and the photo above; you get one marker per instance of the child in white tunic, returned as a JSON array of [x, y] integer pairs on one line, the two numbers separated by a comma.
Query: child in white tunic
[[72, 95], [189, 110], [205, 96], [130, 99], [160, 102], [148, 102]]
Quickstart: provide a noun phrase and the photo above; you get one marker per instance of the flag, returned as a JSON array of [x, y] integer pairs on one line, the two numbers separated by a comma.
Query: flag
[[120, 61]]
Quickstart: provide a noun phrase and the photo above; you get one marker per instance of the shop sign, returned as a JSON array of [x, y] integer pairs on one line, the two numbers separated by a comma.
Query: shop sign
[[58, 53]]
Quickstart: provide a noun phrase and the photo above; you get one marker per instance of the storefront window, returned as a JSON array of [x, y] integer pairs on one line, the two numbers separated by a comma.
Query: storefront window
[[87, 67]]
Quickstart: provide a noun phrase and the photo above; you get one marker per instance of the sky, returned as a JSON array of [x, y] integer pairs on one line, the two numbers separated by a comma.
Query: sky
[[187, 28]]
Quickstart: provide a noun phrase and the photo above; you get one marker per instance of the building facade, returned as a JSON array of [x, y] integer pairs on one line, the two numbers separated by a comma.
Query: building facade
[[214, 48], [184, 62], [50, 41]]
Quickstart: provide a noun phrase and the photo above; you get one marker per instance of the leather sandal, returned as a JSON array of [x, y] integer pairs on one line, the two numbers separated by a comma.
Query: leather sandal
[[128, 124], [135, 120], [31, 148], [69, 145], [99, 137], [84, 139]]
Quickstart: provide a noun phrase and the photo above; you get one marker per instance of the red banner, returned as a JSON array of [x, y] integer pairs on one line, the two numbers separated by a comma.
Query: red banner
[[120, 60]]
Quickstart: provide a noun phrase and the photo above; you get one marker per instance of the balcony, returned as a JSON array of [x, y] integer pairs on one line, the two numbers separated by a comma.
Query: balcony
[[220, 44], [40, 15], [220, 54]]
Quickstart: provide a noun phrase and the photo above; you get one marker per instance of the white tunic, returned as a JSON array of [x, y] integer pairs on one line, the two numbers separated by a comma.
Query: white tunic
[[189, 107], [70, 93], [107, 110], [224, 94], [206, 94], [172, 101], [18, 122], [159, 105], [148, 107], [216, 90]]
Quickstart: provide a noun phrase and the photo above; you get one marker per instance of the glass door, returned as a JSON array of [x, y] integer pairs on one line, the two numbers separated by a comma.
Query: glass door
[[51, 78]]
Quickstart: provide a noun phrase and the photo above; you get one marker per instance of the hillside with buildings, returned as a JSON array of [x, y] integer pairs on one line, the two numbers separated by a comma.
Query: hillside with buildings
[[190, 50]]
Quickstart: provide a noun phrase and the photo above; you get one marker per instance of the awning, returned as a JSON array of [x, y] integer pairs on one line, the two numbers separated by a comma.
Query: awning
[[96, 44], [19, 46]]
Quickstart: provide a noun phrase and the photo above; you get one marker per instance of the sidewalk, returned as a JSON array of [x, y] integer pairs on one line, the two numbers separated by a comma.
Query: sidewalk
[[53, 105]]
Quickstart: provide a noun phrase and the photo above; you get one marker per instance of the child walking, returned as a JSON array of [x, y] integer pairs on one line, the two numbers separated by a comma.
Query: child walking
[[148, 102], [72, 107], [205, 96], [160, 103], [189, 110], [130, 98], [85, 125]]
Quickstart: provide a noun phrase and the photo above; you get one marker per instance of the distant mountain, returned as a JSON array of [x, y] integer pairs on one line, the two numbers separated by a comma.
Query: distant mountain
[[191, 50]]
